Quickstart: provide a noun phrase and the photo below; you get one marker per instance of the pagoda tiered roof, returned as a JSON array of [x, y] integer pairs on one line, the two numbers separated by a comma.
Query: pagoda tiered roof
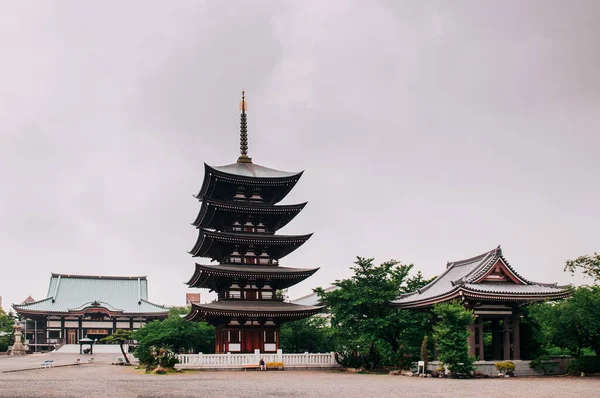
[[213, 276], [250, 309], [220, 182], [216, 214], [487, 276], [219, 245]]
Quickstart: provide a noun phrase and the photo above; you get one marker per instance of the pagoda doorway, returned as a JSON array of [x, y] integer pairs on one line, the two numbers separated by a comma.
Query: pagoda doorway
[[251, 340]]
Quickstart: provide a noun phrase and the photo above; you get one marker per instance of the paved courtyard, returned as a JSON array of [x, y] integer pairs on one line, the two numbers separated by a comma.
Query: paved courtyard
[[103, 380]]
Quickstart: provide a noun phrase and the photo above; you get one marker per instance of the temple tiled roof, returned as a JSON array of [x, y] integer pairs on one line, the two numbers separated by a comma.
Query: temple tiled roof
[[473, 277], [251, 308], [75, 293], [276, 215], [209, 243], [279, 277]]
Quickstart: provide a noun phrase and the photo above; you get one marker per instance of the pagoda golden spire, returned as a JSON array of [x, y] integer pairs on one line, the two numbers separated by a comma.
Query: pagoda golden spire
[[244, 132]]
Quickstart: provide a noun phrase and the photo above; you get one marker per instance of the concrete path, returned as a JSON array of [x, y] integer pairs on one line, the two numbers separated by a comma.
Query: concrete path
[[34, 361], [98, 380]]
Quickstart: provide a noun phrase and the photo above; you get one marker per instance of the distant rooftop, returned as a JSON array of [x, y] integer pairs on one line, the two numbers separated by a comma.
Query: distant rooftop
[[312, 298]]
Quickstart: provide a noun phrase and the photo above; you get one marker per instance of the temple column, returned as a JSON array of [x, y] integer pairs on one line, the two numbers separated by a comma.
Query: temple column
[[506, 342], [516, 336], [480, 342], [471, 339], [496, 339]]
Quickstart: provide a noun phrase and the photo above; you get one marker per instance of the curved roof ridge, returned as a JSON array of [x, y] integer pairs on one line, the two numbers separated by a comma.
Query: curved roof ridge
[[253, 170], [32, 302], [79, 276], [474, 258], [92, 304], [485, 263], [449, 267], [154, 304], [253, 235], [251, 267], [427, 286], [217, 202]]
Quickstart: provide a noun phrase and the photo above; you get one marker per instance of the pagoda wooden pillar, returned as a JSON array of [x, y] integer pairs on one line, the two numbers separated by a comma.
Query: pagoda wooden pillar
[[506, 338], [471, 339], [516, 326]]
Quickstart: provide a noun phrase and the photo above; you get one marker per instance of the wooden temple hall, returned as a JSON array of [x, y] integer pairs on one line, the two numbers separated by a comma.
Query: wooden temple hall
[[237, 226], [495, 292], [83, 306]]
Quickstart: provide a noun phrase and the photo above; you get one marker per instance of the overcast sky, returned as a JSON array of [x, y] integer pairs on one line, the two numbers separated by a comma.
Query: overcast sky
[[428, 132]]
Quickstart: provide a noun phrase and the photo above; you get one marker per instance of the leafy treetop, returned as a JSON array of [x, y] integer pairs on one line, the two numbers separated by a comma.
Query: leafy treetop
[[588, 264]]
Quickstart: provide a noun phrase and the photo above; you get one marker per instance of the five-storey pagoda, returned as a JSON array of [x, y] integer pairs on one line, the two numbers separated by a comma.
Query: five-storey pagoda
[[237, 224]]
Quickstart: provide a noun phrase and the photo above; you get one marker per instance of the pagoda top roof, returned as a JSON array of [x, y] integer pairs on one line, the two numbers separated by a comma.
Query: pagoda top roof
[[243, 173], [251, 308], [80, 293], [252, 170], [486, 276]]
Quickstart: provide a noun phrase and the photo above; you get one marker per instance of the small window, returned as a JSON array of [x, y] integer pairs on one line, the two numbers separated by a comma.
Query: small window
[[269, 336], [234, 336], [53, 334]]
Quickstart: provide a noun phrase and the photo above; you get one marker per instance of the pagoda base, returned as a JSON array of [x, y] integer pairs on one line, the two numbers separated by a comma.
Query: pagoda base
[[247, 339]]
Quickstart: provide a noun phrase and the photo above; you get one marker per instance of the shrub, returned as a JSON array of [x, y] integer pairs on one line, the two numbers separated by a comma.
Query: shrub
[[506, 367], [162, 357], [586, 364], [350, 359], [544, 364]]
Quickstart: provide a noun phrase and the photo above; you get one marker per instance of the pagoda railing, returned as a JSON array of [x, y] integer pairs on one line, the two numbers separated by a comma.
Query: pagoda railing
[[236, 361]]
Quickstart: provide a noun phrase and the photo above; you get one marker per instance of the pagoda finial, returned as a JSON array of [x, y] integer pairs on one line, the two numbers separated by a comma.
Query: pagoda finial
[[243, 132]]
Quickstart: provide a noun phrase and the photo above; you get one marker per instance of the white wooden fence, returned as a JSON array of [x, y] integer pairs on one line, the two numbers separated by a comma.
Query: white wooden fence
[[235, 361]]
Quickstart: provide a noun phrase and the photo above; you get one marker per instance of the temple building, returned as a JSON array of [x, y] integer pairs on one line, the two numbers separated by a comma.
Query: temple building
[[237, 226], [495, 292], [79, 306]]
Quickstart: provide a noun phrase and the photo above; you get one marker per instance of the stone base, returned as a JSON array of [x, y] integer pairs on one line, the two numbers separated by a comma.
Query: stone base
[[17, 350]]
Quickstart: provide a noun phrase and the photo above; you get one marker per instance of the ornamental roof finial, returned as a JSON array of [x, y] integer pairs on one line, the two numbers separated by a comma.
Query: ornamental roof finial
[[243, 132]]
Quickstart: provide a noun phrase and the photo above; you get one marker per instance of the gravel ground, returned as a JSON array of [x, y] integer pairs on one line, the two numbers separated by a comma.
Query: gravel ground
[[98, 380]]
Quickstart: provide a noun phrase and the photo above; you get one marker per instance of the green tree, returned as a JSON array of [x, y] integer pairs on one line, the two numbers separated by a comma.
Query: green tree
[[572, 324], [363, 321], [6, 336], [450, 333], [174, 332], [307, 335], [120, 337], [589, 265]]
